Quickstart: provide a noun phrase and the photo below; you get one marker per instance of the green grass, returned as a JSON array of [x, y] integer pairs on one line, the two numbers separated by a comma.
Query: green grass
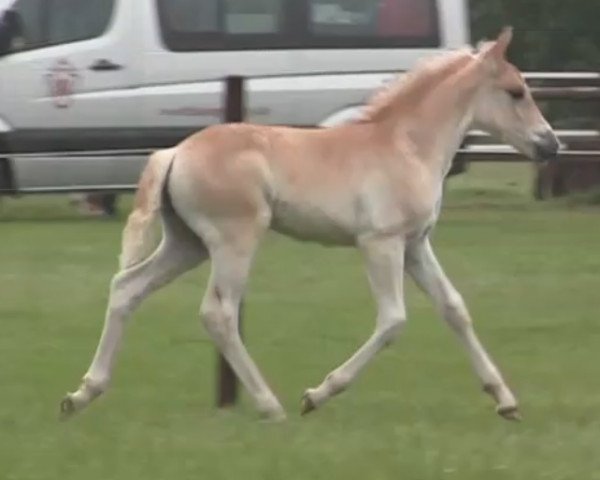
[[529, 273]]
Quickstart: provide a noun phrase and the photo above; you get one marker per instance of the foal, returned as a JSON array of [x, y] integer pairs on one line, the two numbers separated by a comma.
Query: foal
[[375, 184]]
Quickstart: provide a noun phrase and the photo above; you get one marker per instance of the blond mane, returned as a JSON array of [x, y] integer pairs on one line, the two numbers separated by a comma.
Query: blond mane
[[406, 87]]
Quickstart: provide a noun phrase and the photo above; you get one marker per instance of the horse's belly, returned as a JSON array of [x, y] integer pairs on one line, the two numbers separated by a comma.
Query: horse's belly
[[312, 223]]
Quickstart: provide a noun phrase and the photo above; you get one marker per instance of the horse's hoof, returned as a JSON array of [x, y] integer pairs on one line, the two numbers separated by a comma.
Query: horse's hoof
[[307, 404], [274, 417], [510, 413], [67, 407]]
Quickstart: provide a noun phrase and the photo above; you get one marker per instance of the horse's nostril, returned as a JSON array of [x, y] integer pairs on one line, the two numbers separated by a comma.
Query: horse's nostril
[[547, 146], [546, 151]]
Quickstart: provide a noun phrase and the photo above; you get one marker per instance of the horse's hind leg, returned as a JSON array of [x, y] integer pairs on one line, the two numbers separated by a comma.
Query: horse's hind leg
[[219, 314], [179, 251]]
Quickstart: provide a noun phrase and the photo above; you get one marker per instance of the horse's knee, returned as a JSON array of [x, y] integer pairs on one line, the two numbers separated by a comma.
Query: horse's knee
[[218, 318], [211, 319]]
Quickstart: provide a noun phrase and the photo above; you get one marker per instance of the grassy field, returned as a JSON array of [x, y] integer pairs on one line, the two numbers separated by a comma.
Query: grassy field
[[529, 272]]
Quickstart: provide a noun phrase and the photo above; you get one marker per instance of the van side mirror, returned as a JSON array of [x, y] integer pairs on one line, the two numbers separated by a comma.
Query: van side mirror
[[11, 31]]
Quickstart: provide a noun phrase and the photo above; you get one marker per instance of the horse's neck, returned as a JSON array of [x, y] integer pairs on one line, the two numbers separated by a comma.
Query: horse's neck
[[451, 134], [439, 124]]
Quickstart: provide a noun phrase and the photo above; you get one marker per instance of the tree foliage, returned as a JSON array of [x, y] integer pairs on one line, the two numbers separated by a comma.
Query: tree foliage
[[550, 35]]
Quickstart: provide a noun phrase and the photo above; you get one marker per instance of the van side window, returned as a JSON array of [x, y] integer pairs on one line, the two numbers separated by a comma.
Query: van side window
[[406, 18], [54, 22], [218, 24], [75, 20], [252, 16], [193, 25], [193, 16]]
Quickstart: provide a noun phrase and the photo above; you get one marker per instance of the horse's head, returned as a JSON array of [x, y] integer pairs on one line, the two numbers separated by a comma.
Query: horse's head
[[505, 107]]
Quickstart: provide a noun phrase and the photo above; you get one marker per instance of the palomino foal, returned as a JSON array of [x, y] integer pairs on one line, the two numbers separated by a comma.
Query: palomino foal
[[375, 183]]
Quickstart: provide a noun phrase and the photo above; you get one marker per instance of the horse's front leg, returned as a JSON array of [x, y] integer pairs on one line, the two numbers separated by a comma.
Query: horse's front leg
[[384, 258], [424, 268]]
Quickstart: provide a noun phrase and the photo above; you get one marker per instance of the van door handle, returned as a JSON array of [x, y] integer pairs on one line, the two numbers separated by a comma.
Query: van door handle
[[104, 65]]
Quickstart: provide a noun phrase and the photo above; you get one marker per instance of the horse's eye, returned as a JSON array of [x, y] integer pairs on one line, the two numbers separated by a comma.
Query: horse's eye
[[516, 94]]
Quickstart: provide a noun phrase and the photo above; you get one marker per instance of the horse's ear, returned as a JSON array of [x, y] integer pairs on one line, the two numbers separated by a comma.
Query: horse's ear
[[502, 42], [492, 53]]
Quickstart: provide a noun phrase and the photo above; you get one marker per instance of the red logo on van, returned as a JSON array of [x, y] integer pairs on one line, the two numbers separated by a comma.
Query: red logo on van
[[62, 78]]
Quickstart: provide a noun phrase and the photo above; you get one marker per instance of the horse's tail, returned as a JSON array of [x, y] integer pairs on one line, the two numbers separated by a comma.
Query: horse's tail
[[140, 235]]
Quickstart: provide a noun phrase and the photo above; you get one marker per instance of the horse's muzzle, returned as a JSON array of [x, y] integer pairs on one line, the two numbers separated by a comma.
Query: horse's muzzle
[[546, 146]]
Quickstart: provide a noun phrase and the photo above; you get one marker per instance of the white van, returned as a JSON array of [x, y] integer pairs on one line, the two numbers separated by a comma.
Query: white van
[[88, 87]]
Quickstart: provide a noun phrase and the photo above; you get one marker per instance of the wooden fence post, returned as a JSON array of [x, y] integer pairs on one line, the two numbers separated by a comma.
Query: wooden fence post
[[227, 383]]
